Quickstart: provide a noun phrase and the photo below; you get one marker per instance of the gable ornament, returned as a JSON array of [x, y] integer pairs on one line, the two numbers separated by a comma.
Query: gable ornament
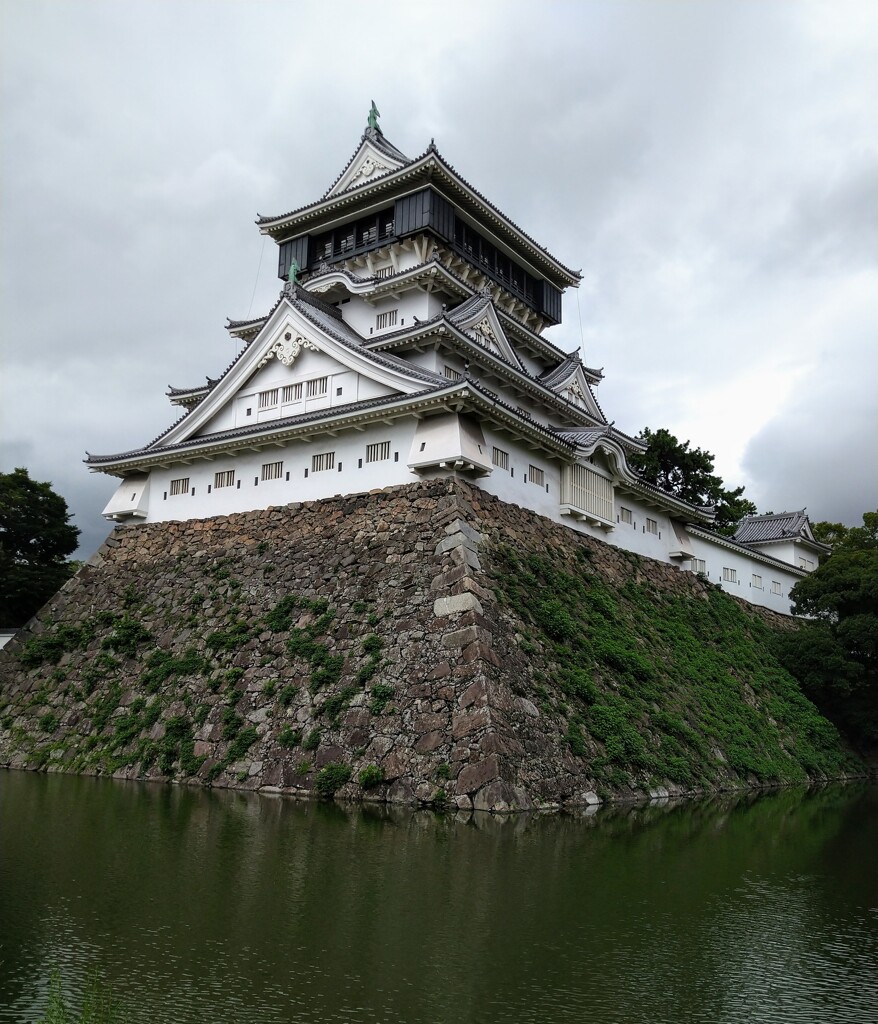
[[287, 350], [484, 329]]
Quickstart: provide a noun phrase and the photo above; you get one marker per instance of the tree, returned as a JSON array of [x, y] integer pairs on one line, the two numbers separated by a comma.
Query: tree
[[834, 655], [829, 533], [36, 536], [687, 473]]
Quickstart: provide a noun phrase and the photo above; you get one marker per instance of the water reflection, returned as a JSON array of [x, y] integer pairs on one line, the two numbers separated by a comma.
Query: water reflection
[[218, 906]]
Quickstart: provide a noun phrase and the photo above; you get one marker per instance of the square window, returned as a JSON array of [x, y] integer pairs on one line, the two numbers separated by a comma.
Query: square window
[[272, 471], [268, 399], [730, 575], [536, 476], [500, 458], [651, 526], [317, 387], [326, 460], [225, 478], [379, 452], [180, 486], [625, 515]]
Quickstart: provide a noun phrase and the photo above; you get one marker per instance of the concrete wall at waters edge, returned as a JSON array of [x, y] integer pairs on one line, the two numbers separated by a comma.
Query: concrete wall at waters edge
[[362, 632]]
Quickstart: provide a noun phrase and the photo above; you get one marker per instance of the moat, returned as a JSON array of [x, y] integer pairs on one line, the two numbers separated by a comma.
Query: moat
[[219, 906]]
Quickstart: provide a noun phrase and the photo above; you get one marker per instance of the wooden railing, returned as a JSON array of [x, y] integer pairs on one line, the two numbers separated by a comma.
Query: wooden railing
[[587, 492]]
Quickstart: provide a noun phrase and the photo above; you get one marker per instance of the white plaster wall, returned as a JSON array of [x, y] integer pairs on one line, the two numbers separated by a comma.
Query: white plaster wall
[[362, 315], [717, 556], [349, 448]]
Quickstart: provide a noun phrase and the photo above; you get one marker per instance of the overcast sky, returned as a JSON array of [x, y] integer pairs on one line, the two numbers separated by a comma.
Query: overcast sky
[[711, 167]]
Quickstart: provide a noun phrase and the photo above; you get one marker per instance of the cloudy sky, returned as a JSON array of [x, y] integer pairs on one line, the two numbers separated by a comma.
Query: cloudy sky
[[711, 167]]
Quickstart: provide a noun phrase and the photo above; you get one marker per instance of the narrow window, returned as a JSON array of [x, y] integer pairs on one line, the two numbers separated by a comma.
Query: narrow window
[[651, 526], [625, 515], [775, 586], [324, 461], [536, 476], [225, 478], [500, 458], [699, 565], [756, 581], [388, 319], [379, 452], [292, 393], [180, 486], [317, 387], [452, 374], [730, 575], [382, 272], [272, 471], [268, 399]]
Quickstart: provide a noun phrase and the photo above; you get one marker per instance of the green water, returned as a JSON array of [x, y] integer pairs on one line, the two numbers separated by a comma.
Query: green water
[[211, 907]]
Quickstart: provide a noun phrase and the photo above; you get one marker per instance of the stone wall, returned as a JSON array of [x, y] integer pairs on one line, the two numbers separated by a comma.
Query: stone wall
[[359, 645]]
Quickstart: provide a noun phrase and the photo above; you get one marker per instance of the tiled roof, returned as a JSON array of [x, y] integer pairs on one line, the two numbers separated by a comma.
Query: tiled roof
[[777, 526], [583, 438], [431, 153]]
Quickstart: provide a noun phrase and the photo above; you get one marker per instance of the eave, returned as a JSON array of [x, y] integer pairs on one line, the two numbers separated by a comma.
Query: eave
[[742, 549], [456, 397]]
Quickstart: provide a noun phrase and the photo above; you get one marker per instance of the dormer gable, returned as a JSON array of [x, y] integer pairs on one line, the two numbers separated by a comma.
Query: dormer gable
[[478, 319], [569, 381], [374, 157]]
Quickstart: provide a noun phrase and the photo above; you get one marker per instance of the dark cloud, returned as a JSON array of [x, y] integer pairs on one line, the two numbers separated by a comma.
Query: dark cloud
[[708, 166]]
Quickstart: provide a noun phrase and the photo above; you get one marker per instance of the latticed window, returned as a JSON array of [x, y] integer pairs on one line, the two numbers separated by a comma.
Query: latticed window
[[775, 586], [317, 387], [378, 452], [268, 399], [272, 471], [500, 458], [387, 319], [651, 526], [292, 393], [588, 492], [699, 565], [384, 272], [225, 478], [180, 486], [756, 581], [536, 476], [326, 460], [625, 515], [452, 374], [730, 575]]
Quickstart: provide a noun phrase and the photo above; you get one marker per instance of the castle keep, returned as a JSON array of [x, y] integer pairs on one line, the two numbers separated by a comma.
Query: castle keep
[[408, 343]]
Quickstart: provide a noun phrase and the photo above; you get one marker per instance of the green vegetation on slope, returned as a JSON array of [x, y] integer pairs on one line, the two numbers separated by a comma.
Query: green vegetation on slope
[[654, 687]]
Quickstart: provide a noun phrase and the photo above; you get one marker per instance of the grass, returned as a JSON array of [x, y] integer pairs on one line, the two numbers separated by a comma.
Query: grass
[[648, 685]]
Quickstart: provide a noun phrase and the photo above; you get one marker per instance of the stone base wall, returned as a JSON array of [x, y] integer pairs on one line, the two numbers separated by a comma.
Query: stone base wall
[[354, 646]]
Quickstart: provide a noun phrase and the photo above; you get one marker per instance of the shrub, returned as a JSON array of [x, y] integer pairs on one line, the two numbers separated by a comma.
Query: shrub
[[381, 697], [127, 636], [371, 776], [312, 740], [331, 778], [289, 737], [285, 697], [48, 722]]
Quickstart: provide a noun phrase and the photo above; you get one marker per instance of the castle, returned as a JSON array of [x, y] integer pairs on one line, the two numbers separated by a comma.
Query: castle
[[407, 342]]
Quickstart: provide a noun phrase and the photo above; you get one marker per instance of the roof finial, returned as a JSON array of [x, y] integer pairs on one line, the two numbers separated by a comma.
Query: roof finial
[[372, 119]]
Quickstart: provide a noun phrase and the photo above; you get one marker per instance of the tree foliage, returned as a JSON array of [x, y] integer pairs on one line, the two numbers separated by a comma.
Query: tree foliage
[[688, 474], [36, 536], [835, 654]]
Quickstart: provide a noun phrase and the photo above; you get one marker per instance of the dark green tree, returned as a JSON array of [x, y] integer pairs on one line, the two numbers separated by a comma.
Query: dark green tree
[[687, 473], [834, 655], [829, 533], [36, 536]]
